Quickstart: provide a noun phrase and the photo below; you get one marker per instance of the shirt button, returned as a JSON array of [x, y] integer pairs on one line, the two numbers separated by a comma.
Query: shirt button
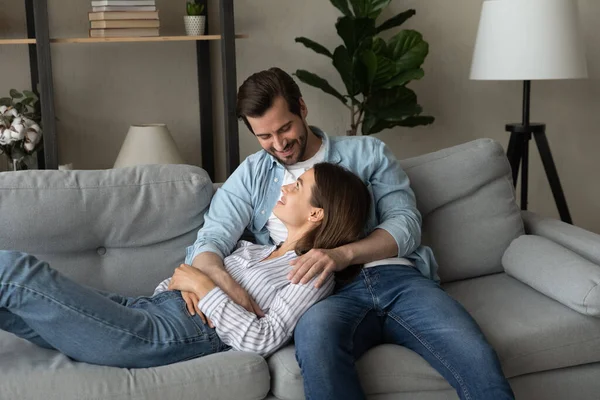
[[101, 251], [262, 212], [276, 180]]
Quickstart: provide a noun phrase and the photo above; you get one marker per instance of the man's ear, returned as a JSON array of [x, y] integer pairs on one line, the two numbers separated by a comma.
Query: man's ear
[[316, 215], [303, 108]]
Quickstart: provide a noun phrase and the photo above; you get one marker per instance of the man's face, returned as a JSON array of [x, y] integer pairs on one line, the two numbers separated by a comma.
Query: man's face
[[281, 133]]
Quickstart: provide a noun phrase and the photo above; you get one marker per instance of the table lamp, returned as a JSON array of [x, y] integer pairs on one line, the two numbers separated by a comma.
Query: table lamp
[[529, 40], [148, 144]]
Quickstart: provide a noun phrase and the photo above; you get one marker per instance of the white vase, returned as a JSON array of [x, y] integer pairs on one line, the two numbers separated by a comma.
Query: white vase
[[194, 24]]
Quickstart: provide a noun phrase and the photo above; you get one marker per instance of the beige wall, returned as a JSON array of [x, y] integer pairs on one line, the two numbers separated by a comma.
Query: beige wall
[[101, 89]]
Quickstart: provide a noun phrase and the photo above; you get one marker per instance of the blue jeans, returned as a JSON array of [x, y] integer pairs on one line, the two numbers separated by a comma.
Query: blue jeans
[[39, 304], [394, 304]]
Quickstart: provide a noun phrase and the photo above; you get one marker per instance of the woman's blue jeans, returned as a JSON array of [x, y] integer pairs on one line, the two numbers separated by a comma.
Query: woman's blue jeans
[[39, 304], [394, 304]]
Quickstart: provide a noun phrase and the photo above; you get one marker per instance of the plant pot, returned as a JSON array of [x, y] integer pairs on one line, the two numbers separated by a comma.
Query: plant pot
[[194, 24]]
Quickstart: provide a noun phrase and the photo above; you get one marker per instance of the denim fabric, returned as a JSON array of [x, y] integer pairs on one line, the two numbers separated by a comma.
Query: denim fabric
[[248, 196], [39, 304], [394, 304]]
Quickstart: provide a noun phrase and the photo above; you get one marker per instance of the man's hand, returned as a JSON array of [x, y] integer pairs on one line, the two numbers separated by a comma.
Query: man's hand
[[191, 301], [318, 261]]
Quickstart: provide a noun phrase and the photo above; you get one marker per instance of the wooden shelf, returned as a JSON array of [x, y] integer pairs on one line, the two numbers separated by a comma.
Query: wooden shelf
[[17, 41], [122, 39]]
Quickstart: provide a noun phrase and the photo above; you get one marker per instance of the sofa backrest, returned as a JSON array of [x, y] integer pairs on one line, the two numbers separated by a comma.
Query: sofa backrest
[[122, 230], [467, 200]]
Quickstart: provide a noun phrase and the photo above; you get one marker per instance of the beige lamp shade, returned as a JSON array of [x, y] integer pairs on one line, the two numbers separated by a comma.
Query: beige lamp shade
[[529, 40], [148, 144]]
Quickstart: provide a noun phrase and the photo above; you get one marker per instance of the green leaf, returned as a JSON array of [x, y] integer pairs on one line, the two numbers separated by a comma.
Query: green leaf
[[354, 30], [15, 94], [405, 77], [343, 64], [19, 107], [369, 60], [6, 101], [314, 80], [379, 46], [386, 70], [368, 8], [408, 50], [27, 101], [29, 93], [342, 5], [316, 47], [396, 20], [393, 104]]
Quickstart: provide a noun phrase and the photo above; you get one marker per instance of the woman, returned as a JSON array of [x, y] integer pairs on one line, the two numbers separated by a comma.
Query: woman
[[325, 208]]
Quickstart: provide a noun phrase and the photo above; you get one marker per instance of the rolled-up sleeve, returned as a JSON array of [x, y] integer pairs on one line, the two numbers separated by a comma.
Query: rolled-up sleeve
[[395, 203], [230, 212]]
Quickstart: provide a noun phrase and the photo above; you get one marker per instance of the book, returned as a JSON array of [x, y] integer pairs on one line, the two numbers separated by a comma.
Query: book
[[123, 32], [123, 8], [106, 16], [104, 3], [126, 23]]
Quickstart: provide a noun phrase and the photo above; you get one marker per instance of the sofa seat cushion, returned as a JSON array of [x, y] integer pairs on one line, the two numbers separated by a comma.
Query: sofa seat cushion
[[32, 373], [384, 369], [529, 331]]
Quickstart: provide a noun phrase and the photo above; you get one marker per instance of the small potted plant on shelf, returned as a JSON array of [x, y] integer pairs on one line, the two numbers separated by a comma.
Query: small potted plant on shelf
[[195, 21], [20, 132]]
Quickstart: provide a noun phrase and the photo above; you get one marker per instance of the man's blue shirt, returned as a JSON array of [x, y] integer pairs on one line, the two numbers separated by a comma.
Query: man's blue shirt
[[249, 195]]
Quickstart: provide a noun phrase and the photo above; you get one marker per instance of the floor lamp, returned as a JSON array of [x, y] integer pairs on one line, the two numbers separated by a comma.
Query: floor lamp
[[529, 40]]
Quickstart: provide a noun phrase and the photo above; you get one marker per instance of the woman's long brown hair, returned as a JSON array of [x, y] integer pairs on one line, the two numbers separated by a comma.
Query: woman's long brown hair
[[345, 201]]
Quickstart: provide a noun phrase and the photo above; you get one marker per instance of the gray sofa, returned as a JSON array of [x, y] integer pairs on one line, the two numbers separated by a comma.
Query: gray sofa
[[530, 282]]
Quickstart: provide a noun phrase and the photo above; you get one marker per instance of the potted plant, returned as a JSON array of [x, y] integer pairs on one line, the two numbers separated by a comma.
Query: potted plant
[[194, 21], [20, 132], [374, 71]]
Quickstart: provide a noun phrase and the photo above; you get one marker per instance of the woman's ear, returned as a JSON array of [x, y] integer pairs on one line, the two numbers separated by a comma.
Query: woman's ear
[[316, 215]]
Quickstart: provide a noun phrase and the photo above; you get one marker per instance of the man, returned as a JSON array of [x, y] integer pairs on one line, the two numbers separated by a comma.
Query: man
[[393, 299]]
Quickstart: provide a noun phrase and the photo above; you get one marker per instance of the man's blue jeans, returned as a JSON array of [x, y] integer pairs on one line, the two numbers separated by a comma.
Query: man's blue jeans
[[394, 304], [39, 304]]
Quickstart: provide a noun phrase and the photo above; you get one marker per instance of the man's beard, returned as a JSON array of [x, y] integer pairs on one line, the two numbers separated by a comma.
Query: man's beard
[[301, 141]]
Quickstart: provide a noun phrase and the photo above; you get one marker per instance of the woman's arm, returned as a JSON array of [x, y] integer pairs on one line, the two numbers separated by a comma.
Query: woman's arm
[[243, 331]]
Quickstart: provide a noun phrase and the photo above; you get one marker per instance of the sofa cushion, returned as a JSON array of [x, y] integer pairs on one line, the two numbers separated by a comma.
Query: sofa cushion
[[122, 230], [555, 271], [31, 373], [384, 369], [529, 331], [470, 216]]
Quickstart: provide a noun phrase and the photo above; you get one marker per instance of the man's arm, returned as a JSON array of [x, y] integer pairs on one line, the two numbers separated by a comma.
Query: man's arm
[[230, 212], [397, 234]]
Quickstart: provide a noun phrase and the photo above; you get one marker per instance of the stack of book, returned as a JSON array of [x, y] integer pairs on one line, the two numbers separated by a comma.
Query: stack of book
[[123, 18]]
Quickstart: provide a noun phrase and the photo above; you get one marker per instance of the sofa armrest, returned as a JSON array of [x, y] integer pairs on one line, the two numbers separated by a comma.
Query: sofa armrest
[[578, 240], [555, 271]]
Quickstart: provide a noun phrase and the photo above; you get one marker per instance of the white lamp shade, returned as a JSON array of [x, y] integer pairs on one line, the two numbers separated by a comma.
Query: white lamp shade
[[148, 144], [529, 40]]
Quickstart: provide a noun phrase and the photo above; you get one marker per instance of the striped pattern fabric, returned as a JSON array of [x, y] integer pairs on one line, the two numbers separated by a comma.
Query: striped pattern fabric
[[266, 281]]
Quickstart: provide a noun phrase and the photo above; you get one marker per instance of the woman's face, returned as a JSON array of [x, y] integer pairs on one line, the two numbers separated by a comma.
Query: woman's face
[[294, 208]]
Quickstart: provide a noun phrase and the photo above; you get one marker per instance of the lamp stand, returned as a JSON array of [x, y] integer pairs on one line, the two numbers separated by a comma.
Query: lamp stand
[[518, 155]]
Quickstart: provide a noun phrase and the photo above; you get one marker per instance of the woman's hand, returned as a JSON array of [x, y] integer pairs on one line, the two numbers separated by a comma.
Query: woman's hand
[[191, 301], [189, 279]]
